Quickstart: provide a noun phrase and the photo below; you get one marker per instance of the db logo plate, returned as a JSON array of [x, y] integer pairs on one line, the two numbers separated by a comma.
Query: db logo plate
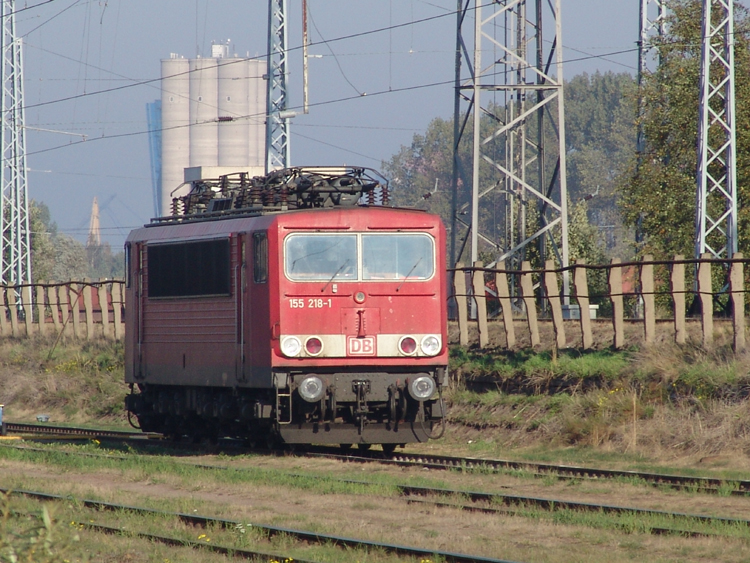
[[360, 346]]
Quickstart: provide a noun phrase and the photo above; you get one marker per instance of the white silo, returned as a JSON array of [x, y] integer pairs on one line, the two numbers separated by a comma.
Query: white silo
[[234, 127], [213, 118], [175, 117], [204, 112], [257, 69]]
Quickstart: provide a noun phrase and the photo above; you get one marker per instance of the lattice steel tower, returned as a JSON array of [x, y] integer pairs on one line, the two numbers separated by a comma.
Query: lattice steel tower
[[15, 250], [513, 173], [652, 22], [716, 201], [277, 115]]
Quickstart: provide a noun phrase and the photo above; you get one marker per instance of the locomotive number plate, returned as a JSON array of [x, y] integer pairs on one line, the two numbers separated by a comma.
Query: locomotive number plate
[[309, 303], [364, 346]]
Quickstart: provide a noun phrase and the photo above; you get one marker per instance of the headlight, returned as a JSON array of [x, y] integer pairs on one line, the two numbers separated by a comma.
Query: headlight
[[422, 387], [407, 345], [311, 389], [430, 345], [291, 346]]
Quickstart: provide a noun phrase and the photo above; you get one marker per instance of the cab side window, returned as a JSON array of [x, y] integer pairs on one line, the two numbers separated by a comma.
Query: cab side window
[[260, 257], [127, 265]]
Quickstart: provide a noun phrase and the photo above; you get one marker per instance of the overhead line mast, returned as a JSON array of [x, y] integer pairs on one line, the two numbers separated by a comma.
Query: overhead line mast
[[277, 115], [716, 201], [512, 171], [650, 25], [15, 248]]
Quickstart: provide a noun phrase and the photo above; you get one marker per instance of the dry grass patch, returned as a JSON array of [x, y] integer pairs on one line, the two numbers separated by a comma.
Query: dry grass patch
[[73, 382]]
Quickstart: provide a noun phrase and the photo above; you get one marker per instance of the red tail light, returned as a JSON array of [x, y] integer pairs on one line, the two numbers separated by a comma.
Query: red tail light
[[313, 346], [408, 345]]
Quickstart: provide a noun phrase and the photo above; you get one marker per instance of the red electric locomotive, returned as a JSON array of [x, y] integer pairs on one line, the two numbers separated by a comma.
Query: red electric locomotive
[[294, 307]]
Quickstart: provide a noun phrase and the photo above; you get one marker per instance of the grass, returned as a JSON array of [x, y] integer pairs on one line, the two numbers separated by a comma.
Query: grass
[[165, 469], [368, 503], [574, 408], [507, 364], [58, 532], [73, 382]]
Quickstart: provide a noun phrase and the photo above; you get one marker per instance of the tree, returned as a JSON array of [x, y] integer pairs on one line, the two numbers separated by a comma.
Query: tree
[[600, 138], [102, 263], [55, 256], [659, 189]]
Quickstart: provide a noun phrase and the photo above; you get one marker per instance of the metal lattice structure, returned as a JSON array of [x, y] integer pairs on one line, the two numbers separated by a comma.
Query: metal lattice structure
[[716, 201], [526, 69], [652, 22], [277, 115], [15, 249]]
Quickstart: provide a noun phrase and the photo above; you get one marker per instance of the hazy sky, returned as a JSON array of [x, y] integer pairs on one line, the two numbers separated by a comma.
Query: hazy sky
[[77, 48]]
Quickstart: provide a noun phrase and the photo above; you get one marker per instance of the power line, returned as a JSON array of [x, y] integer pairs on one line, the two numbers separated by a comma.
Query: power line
[[152, 80], [314, 43], [27, 8], [52, 18]]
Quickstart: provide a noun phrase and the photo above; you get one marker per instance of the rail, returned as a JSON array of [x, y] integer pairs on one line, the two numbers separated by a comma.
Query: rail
[[681, 523], [269, 531], [690, 483]]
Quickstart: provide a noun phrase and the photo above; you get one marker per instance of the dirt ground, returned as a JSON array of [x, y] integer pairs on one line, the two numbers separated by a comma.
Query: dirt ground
[[395, 520]]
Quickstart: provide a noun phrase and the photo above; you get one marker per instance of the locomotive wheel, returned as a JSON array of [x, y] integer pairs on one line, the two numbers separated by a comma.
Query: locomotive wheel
[[364, 447], [346, 447], [388, 448]]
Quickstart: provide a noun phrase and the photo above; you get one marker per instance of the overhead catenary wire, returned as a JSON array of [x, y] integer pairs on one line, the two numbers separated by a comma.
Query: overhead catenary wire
[[259, 115], [76, 2], [311, 44], [323, 103]]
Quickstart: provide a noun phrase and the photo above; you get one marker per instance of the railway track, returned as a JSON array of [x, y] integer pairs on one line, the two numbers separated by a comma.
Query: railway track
[[706, 485], [73, 432], [488, 503], [300, 536]]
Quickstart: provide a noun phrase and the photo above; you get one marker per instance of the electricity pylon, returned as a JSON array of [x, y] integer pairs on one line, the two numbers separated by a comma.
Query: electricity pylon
[[514, 60], [716, 200], [652, 22], [277, 115], [15, 249]]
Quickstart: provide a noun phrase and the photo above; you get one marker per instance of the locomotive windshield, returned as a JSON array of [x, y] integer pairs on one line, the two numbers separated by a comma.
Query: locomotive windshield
[[351, 257], [321, 257], [397, 257]]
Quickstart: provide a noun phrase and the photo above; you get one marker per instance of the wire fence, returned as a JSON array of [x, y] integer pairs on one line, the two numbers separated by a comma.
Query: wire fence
[[84, 309], [641, 292], [645, 291]]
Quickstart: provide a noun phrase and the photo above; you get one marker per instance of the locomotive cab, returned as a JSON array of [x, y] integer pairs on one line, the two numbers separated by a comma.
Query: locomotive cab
[[361, 346]]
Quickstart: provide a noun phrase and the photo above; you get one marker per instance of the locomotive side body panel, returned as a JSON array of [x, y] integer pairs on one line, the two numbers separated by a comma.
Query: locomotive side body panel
[[195, 335]]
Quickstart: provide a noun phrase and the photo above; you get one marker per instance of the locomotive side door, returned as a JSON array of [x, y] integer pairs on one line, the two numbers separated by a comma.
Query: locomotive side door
[[242, 306], [139, 367]]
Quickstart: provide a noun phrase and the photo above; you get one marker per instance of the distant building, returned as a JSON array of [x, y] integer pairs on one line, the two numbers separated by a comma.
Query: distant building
[[212, 114]]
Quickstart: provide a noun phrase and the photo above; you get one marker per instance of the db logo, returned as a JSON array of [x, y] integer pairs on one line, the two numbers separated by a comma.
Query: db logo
[[361, 346]]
